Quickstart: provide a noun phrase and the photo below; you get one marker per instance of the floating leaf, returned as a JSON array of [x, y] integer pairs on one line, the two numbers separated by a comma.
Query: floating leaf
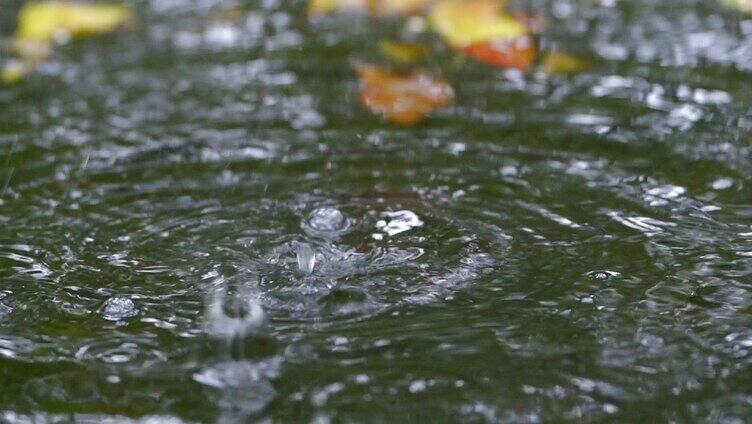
[[403, 98], [57, 21], [464, 23], [403, 52], [562, 63], [519, 53]]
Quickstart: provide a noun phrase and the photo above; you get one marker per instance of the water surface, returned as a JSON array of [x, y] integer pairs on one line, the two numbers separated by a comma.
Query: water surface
[[199, 222]]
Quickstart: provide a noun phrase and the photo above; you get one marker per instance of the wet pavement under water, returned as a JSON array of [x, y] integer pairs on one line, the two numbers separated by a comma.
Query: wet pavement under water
[[199, 223]]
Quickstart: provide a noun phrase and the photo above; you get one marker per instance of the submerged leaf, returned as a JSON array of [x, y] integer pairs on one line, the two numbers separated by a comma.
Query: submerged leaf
[[468, 22], [562, 63], [57, 21], [403, 98], [403, 52]]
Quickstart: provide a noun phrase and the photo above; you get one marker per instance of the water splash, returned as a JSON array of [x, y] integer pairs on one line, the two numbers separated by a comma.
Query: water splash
[[118, 309], [306, 257], [398, 222], [233, 317], [327, 223]]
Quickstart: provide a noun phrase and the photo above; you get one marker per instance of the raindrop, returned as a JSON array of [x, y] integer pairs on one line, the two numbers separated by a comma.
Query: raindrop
[[118, 308]]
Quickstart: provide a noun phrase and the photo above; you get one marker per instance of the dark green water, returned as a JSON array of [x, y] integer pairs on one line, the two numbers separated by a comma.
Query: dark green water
[[576, 248]]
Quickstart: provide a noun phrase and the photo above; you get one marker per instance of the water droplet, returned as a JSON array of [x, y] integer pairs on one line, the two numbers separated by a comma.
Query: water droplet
[[306, 257], [118, 308], [326, 222]]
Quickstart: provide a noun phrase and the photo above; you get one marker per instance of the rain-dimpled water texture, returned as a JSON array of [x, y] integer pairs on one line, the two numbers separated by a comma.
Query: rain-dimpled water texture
[[199, 223]]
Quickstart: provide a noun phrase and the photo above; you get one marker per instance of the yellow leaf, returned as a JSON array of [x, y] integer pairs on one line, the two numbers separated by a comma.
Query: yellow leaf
[[562, 63], [466, 22], [13, 72], [57, 21], [403, 52]]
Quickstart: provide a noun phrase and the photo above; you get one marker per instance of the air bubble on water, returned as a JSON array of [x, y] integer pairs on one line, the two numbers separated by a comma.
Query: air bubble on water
[[233, 317], [398, 222], [306, 257], [118, 309], [326, 222]]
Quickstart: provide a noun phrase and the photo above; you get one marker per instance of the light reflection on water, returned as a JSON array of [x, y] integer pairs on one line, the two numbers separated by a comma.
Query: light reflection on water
[[201, 223]]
